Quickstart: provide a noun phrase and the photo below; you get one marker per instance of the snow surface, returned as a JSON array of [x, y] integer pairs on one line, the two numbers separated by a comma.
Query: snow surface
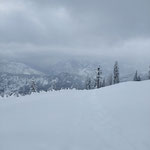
[[111, 118]]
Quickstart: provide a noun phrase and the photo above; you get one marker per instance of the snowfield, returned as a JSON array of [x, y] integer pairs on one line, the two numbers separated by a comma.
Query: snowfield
[[111, 118]]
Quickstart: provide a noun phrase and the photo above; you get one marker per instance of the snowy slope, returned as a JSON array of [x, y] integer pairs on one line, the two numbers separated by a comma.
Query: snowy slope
[[111, 118], [17, 68]]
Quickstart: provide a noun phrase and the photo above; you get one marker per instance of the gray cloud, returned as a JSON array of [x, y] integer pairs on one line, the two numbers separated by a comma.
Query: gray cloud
[[89, 27]]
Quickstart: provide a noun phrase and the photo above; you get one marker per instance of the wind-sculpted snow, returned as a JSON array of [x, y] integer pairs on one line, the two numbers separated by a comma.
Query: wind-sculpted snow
[[111, 118]]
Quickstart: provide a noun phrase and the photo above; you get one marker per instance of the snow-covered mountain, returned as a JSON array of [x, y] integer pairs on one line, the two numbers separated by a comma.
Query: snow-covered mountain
[[17, 68], [11, 84], [83, 66], [88, 67], [16, 77], [111, 118]]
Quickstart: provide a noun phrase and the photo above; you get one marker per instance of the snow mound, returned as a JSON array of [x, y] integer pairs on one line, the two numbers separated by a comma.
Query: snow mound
[[111, 118]]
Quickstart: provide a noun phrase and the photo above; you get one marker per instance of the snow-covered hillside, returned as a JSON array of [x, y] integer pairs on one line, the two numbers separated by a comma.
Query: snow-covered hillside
[[17, 68], [16, 77], [111, 118]]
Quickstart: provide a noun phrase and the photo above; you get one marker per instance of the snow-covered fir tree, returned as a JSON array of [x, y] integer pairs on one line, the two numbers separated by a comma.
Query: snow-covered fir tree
[[110, 79], [137, 77], [33, 87], [116, 73], [88, 83], [103, 83], [149, 73], [99, 78]]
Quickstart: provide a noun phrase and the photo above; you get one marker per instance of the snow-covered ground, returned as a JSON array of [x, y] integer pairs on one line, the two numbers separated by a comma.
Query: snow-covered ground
[[111, 118]]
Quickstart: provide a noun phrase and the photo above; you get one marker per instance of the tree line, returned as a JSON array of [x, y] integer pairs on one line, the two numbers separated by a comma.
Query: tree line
[[92, 82], [99, 81], [114, 78]]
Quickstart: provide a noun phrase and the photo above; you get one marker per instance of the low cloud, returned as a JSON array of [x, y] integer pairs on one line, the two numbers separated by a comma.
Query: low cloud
[[40, 28]]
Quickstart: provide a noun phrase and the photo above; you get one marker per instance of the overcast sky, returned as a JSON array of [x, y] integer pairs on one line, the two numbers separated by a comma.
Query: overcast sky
[[88, 27]]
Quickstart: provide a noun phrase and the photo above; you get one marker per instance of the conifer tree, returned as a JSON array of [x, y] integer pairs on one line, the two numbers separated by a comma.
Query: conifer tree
[[88, 84], [103, 84], [149, 73], [33, 87], [116, 73], [136, 76], [139, 78], [98, 82], [110, 80]]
